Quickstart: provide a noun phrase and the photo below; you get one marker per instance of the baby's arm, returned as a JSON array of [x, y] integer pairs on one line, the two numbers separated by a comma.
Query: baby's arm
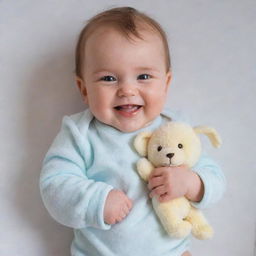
[[70, 197], [213, 179], [205, 184]]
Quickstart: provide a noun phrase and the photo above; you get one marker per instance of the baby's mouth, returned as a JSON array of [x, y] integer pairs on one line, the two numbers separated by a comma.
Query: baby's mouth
[[129, 108]]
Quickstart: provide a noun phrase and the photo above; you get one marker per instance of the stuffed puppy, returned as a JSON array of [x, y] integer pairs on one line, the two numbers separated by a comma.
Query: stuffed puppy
[[174, 144]]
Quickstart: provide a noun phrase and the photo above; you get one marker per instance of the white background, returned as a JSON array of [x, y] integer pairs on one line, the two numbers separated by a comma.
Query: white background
[[213, 47]]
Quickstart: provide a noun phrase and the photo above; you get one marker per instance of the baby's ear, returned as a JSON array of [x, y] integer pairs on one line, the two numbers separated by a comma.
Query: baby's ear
[[141, 142], [211, 133], [81, 86], [168, 79]]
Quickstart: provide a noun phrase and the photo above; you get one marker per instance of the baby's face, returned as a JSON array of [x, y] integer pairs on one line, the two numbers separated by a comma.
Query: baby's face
[[124, 82]]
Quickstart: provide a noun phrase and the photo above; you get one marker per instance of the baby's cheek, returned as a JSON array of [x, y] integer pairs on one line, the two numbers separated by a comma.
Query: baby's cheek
[[158, 97], [101, 111]]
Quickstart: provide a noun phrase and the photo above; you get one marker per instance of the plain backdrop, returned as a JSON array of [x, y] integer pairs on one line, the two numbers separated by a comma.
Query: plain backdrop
[[213, 49]]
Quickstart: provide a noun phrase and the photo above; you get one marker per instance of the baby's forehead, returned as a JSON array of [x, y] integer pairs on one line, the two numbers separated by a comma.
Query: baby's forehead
[[109, 38], [108, 45], [140, 34]]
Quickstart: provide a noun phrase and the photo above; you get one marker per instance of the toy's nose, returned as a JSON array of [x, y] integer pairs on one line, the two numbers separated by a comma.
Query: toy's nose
[[170, 155]]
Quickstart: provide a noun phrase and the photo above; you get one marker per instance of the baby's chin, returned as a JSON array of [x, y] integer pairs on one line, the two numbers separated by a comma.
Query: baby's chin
[[130, 127], [126, 125], [127, 129]]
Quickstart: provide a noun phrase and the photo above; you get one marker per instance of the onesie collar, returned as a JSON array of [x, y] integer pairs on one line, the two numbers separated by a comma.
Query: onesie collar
[[110, 129]]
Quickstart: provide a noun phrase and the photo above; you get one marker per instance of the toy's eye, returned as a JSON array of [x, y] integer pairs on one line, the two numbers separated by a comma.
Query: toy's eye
[[159, 148], [180, 146]]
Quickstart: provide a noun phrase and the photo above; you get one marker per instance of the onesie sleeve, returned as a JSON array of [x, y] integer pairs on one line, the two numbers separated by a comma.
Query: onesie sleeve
[[69, 196], [213, 179]]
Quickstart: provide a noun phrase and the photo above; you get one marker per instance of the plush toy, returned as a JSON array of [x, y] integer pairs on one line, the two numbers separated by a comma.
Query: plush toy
[[174, 144]]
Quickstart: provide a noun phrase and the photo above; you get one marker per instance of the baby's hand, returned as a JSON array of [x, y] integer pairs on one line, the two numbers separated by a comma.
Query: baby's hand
[[117, 207], [168, 183]]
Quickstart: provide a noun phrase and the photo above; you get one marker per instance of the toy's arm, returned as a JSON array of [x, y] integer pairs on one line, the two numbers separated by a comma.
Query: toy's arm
[[69, 196], [213, 179], [144, 168]]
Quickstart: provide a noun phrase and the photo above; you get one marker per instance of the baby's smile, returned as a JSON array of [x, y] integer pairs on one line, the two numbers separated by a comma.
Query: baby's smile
[[128, 110]]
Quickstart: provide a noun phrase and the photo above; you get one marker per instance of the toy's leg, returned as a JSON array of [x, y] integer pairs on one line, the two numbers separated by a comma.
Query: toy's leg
[[200, 227], [177, 227], [171, 216]]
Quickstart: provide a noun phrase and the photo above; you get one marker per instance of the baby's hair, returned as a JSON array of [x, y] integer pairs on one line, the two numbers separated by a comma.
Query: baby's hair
[[127, 21]]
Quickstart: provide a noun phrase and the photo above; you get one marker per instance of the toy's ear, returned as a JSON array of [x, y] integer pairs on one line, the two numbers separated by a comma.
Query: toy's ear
[[141, 142], [211, 133]]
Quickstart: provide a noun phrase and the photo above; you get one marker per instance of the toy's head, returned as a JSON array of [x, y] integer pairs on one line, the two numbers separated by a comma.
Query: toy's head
[[174, 143]]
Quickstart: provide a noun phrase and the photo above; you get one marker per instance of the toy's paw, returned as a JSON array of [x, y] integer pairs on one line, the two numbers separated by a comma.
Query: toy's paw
[[180, 230], [202, 232], [144, 168]]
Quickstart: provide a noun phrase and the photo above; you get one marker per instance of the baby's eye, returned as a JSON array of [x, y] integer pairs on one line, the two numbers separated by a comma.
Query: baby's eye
[[143, 76], [108, 78], [180, 145]]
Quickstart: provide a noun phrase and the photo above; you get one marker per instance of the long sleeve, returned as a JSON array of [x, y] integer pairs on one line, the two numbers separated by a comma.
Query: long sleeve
[[70, 197], [213, 179]]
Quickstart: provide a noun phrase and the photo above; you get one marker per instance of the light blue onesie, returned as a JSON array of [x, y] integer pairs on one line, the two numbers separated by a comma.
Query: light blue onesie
[[85, 161]]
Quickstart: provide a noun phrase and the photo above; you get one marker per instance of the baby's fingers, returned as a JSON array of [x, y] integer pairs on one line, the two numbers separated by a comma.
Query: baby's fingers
[[155, 182], [158, 191], [157, 172], [126, 209], [164, 198], [123, 213], [128, 203]]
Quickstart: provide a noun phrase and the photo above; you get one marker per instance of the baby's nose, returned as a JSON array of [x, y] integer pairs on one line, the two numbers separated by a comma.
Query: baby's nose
[[126, 90], [170, 155]]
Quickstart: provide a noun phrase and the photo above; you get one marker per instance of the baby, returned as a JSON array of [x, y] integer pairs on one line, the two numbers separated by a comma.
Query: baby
[[89, 180]]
